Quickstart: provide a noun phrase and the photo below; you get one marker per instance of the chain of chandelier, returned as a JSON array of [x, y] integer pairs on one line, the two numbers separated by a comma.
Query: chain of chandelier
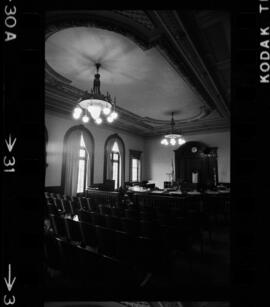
[[95, 105], [173, 138]]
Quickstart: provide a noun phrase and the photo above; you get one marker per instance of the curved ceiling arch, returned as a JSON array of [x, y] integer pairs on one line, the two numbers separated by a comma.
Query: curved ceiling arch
[[143, 82]]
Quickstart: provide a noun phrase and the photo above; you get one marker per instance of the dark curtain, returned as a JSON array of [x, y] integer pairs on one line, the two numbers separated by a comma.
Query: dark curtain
[[90, 150], [71, 163]]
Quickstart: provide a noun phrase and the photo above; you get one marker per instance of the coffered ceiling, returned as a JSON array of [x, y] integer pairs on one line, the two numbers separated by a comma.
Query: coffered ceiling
[[154, 62]]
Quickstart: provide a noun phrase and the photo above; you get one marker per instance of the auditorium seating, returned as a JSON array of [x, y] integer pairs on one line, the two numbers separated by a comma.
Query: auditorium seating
[[141, 236]]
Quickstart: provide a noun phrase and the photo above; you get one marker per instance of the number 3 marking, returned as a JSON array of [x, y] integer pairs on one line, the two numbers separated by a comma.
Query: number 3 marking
[[9, 302], [9, 161], [10, 12]]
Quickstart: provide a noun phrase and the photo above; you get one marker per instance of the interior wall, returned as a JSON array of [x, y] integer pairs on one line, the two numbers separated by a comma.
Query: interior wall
[[159, 157], [57, 128]]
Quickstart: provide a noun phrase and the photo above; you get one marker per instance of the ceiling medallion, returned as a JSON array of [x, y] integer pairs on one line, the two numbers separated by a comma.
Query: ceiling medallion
[[173, 138], [96, 104]]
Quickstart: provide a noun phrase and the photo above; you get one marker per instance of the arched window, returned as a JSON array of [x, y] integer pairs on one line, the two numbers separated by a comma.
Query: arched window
[[114, 160], [78, 160]]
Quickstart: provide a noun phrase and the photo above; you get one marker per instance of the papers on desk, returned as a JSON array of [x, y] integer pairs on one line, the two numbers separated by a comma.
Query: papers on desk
[[193, 193], [175, 193], [224, 191], [211, 192]]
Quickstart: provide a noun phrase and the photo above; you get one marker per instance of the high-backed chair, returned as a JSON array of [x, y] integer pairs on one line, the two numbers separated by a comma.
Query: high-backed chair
[[98, 219], [89, 234], [74, 231], [84, 203], [85, 216], [104, 210], [52, 252], [106, 241], [125, 247], [59, 205]]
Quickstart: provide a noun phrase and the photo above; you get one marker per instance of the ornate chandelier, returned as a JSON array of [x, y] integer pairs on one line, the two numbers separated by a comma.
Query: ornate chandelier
[[96, 104], [173, 138]]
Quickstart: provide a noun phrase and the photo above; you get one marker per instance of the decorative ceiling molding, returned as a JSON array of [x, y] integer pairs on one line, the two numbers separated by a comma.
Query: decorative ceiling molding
[[138, 16], [203, 112], [188, 59], [108, 20], [162, 29]]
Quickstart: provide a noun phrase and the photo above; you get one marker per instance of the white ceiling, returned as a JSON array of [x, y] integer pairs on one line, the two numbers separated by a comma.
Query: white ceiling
[[142, 81]]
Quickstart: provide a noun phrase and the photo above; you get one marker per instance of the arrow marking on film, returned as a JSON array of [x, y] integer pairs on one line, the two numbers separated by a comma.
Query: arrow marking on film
[[10, 144], [9, 283]]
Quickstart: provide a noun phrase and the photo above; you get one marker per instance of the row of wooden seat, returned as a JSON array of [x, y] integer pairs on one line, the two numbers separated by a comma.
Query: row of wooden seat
[[133, 248], [86, 232], [88, 267]]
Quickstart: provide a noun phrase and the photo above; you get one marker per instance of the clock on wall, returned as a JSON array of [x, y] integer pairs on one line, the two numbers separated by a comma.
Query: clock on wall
[[194, 149]]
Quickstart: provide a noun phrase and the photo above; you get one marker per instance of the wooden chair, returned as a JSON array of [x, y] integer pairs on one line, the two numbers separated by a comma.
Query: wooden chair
[[59, 226], [74, 231], [106, 241], [89, 234], [85, 216], [104, 210]]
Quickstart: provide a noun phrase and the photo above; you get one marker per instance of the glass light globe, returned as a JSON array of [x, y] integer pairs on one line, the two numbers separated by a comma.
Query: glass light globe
[[181, 141], [110, 119], [85, 119], [78, 110], [173, 141], [106, 111], [99, 121], [166, 142], [114, 115], [77, 113], [94, 111]]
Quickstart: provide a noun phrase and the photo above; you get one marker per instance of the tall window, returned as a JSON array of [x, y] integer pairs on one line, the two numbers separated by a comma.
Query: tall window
[[135, 166], [82, 170], [78, 160], [136, 169], [114, 160]]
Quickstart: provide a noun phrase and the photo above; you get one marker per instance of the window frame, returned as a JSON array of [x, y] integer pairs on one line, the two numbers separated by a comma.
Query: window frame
[[85, 164], [118, 167], [107, 159], [135, 154], [81, 128]]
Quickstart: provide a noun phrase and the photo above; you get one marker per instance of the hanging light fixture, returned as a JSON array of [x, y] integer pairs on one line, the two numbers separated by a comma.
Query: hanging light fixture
[[96, 104], [173, 138]]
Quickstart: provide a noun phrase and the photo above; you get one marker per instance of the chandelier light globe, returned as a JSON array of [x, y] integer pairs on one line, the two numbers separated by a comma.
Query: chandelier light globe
[[94, 111], [96, 104], [77, 113], [181, 141], [106, 110], [110, 119], [173, 142], [99, 121], [85, 119], [114, 115]]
